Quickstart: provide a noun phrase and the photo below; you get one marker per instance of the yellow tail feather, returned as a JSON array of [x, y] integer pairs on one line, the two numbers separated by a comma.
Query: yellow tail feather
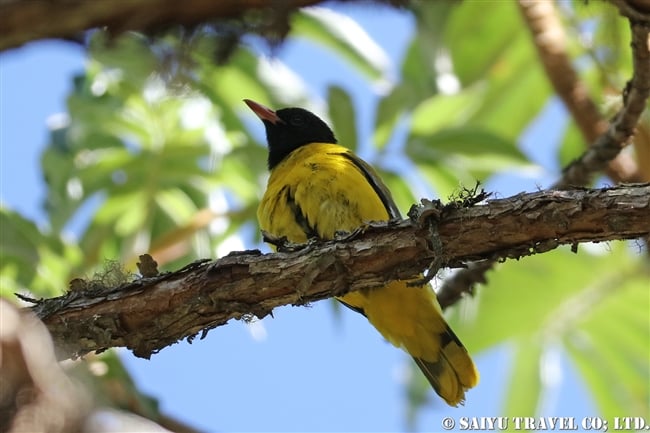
[[410, 318], [453, 373]]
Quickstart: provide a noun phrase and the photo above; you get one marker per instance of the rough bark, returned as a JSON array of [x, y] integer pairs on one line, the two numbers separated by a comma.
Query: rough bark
[[28, 20], [151, 313], [606, 148], [606, 140]]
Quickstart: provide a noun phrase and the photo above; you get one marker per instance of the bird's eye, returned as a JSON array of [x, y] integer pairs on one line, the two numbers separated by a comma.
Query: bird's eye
[[297, 121]]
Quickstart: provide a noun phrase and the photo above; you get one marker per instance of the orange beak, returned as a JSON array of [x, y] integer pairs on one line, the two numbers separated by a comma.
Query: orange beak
[[264, 113]]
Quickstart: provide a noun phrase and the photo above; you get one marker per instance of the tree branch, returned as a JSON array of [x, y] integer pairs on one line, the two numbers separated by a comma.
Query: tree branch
[[635, 96], [149, 314], [28, 20], [38, 396], [550, 40], [607, 141]]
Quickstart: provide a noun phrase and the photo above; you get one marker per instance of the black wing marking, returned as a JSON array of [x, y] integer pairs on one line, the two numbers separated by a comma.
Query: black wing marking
[[373, 179], [353, 308], [298, 215]]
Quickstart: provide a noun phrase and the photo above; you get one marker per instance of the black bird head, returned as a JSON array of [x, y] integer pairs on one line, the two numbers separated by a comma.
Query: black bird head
[[289, 128]]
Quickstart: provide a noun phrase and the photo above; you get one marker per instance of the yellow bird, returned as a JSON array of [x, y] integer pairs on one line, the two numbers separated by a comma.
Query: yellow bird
[[317, 188]]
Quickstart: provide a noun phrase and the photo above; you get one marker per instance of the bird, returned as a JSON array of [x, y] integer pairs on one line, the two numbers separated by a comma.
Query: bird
[[318, 188]]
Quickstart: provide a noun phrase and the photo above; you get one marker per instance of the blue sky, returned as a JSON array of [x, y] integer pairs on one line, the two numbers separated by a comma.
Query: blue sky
[[305, 369]]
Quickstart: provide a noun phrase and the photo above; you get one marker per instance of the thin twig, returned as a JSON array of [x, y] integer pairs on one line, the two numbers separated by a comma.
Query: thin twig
[[635, 96], [604, 154]]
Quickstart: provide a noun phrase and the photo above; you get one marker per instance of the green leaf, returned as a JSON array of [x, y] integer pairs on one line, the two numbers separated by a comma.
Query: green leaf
[[230, 84], [389, 111], [444, 179], [441, 111], [19, 243], [473, 142], [493, 28], [399, 188], [611, 343], [464, 154], [345, 37], [517, 89], [240, 173], [418, 75], [572, 146], [176, 204], [342, 116], [516, 298], [129, 53], [524, 384], [418, 70], [30, 259], [594, 305]]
